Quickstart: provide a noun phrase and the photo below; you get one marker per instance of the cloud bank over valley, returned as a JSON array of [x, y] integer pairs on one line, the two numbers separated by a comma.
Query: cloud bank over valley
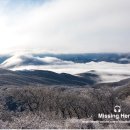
[[109, 71]]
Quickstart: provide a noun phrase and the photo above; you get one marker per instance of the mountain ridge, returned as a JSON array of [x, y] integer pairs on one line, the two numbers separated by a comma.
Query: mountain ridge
[[8, 77]]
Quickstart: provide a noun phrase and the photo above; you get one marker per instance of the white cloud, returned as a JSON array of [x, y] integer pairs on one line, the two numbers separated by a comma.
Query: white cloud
[[54, 61], [67, 26], [23, 60], [109, 72], [28, 61]]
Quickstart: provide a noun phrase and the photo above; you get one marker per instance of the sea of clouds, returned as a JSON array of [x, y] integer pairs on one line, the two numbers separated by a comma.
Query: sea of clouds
[[108, 71]]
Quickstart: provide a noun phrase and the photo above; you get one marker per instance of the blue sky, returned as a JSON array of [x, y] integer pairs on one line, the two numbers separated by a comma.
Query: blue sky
[[65, 26], [26, 2], [12, 4]]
